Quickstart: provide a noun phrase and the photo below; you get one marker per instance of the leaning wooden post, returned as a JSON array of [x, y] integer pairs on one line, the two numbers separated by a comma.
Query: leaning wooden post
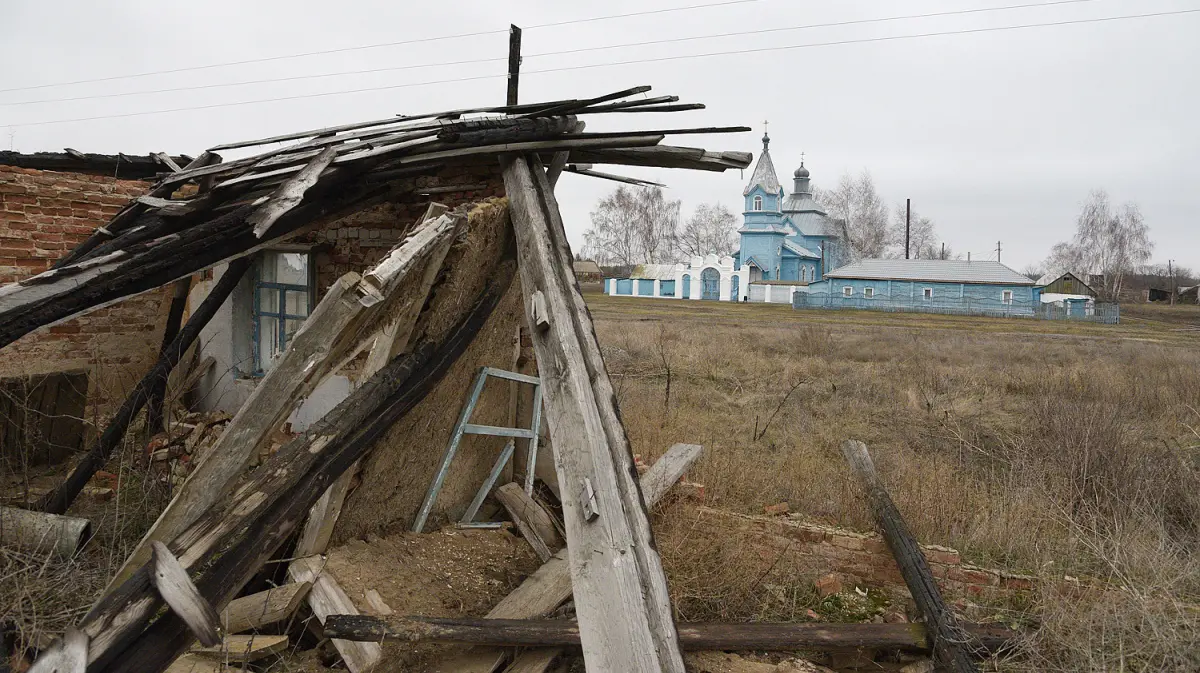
[[158, 393], [617, 576], [949, 639], [61, 498]]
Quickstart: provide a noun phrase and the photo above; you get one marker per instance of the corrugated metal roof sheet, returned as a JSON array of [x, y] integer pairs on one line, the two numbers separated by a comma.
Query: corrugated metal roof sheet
[[800, 250], [814, 224], [586, 266], [934, 270]]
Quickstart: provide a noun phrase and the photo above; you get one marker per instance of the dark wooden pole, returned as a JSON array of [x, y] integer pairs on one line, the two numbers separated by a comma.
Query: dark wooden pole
[[61, 498], [693, 636], [514, 63], [950, 641], [154, 408], [907, 224]]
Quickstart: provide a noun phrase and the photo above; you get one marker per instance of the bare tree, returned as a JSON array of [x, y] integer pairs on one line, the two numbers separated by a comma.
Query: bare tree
[[1109, 244], [712, 228], [1033, 271], [633, 226], [923, 240], [861, 216]]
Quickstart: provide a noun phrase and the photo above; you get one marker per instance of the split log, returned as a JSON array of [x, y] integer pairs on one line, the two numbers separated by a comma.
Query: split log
[[194, 663], [951, 648], [62, 497], [64, 536], [233, 539], [328, 598], [329, 334], [243, 649], [772, 637], [534, 522], [617, 576], [550, 586], [265, 607], [158, 393]]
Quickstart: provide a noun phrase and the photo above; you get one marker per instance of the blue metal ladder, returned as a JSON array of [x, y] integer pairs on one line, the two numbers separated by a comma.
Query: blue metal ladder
[[465, 427]]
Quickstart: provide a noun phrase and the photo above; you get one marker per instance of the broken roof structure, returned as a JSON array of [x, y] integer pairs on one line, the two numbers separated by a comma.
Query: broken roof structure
[[213, 538]]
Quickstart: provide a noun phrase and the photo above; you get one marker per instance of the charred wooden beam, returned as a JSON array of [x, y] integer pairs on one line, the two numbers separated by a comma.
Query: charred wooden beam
[[951, 647], [61, 498], [158, 392], [773, 637], [504, 130]]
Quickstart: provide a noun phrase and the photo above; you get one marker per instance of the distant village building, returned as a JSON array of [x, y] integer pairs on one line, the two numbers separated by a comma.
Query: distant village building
[[587, 271], [925, 285], [1065, 283], [787, 241]]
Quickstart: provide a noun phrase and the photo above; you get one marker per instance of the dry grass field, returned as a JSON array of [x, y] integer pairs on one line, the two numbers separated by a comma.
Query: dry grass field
[[1050, 448]]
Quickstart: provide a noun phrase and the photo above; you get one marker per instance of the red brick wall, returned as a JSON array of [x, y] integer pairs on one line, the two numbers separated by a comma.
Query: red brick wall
[[43, 214]]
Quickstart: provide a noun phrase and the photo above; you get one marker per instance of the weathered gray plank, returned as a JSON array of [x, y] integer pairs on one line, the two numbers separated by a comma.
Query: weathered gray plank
[[177, 590], [328, 598], [531, 518], [290, 193], [617, 577], [265, 607], [244, 649]]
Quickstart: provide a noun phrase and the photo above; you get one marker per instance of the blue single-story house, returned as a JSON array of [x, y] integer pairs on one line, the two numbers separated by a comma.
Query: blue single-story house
[[924, 285]]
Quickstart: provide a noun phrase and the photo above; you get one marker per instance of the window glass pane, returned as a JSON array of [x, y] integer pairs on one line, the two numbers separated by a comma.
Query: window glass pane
[[297, 303], [268, 342], [290, 268], [268, 300]]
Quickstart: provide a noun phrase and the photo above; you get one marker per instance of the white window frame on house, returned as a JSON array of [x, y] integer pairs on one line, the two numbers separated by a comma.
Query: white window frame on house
[[758, 202], [847, 291], [259, 315], [1006, 297], [869, 292], [927, 293]]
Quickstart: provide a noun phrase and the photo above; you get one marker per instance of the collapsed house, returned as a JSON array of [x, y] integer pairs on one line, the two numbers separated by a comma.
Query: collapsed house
[[350, 285]]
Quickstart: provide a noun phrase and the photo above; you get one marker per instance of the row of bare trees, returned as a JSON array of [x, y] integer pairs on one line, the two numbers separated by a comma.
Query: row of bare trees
[[1110, 245], [641, 226], [866, 228]]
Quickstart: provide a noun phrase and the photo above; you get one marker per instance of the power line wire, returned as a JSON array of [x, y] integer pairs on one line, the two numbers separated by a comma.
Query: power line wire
[[759, 31], [887, 38], [340, 50]]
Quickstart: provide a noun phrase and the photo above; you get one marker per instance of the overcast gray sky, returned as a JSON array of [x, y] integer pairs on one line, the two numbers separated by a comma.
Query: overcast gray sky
[[995, 135]]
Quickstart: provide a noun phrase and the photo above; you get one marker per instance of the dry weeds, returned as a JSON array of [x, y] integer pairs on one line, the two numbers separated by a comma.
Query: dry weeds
[[1057, 456]]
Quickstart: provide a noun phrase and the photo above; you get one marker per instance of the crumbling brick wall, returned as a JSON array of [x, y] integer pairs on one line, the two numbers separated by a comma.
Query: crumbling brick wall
[[43, 215]]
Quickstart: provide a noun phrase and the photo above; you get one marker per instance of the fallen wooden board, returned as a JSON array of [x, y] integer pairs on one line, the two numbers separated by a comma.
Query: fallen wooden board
[[194, 663], [774, 637], [328, 598], [265, 607], [176, 588], [532, 519], [243, 649]]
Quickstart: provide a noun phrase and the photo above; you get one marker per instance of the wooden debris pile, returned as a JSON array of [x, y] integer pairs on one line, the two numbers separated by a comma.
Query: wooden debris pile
[[227, 527], [173, 453]]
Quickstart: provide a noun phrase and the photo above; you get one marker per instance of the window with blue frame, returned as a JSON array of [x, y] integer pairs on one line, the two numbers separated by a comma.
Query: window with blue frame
[[282, 300]]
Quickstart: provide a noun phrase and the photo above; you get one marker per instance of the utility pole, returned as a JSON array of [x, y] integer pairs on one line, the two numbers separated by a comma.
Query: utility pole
[[1171, 273], [943, 250], [997, 251], [514, 63], [907, 223]]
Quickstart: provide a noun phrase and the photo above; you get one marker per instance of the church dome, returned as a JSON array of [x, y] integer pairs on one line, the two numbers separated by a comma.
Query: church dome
[[801, 172]]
